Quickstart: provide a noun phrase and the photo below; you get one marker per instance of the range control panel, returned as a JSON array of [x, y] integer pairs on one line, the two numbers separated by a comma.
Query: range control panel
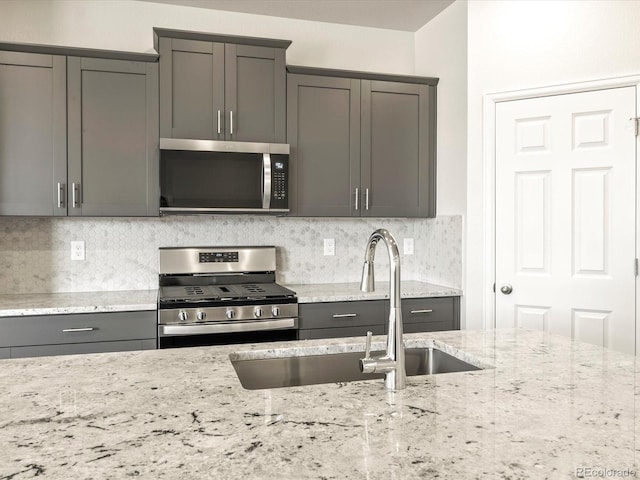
[[218, 257]]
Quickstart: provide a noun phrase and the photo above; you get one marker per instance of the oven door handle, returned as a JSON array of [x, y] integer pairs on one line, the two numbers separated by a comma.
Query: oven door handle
[[227, 327]]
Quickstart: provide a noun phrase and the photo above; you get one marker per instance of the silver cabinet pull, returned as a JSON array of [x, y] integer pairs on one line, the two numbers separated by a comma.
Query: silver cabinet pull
[[60, 195], [82, 329], [366, 198], [218, 122], [231, 122], [75, 194], [344, 315], [357, 197], [415, 312]]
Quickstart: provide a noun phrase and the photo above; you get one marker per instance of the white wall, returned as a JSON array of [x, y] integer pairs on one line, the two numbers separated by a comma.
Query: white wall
[[525, 44], [127, 25], [441, 51]]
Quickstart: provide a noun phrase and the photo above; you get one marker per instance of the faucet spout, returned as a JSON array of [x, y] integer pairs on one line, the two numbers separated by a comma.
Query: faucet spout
[[392, 364]]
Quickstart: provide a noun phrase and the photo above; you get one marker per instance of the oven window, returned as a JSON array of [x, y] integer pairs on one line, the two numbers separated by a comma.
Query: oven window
[[210, 179]]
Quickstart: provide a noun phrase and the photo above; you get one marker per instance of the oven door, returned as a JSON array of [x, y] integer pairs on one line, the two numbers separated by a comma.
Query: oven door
[[227, 333]]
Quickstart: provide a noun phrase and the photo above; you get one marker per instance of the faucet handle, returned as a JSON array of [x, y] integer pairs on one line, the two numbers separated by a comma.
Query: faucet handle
[[367, 348]]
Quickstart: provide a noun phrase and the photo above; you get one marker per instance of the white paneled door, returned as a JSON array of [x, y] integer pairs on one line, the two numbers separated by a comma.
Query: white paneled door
[[566, 215]]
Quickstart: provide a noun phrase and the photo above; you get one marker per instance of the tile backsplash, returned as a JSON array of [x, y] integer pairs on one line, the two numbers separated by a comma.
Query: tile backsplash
[[122, 253]]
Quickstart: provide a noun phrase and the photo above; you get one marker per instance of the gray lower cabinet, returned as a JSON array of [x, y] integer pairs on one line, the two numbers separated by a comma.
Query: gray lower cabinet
[[354, 319], [215, 87], [78, 333], [341, 319], [361, 146], [113, 137], [5, 353], [33, 134], [430, 314]]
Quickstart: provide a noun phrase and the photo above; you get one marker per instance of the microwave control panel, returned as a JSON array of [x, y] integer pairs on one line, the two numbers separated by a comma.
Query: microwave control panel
[[280, 182]]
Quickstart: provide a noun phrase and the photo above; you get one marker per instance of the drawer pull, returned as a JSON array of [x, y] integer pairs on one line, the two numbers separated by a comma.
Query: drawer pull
[[83, 329], [415, 312], [344, 315]]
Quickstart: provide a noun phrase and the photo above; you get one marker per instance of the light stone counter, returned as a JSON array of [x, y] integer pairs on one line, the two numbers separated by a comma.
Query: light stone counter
[[341, 292], [548, 407], [81, 302]]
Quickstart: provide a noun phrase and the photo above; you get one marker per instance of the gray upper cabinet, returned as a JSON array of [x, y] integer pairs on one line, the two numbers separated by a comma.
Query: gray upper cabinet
[[215, 87], [398, 165], [113, 137], [324, 134], [78, 132], [33, 134], [361, 144]]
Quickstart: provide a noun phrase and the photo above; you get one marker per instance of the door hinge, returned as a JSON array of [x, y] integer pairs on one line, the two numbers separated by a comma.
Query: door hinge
[[636, 121], [635, 267], [494, 288]]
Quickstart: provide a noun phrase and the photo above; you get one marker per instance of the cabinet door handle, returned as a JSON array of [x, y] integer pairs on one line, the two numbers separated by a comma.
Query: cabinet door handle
[[60, 195], [366, 198], [75, 194], [231, 122], [357, 197], [82, 329], [344, 315], [218, 122], [415, 312]]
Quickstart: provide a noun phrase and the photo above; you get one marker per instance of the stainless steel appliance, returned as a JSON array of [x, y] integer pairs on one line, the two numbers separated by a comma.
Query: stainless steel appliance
[[222, 295], [206, 176]]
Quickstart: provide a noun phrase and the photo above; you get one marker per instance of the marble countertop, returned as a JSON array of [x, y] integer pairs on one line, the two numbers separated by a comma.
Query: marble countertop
[[340, 292], [548, 408], [81, 302]]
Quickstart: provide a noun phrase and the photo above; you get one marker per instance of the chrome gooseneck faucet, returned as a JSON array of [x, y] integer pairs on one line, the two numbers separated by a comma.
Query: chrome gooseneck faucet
[[392, 363]]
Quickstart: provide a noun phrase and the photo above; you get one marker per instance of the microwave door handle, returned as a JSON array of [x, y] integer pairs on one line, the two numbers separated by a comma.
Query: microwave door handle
[[266, 180]]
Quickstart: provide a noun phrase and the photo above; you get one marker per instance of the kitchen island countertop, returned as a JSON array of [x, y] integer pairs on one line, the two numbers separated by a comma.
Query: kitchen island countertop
[[549, 407]]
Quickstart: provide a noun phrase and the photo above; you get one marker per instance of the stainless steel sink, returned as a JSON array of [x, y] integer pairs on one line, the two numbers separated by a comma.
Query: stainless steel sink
[[256, 374]]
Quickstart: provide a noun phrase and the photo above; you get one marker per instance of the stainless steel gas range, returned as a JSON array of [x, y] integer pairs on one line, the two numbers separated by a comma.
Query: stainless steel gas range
[[223, 295]]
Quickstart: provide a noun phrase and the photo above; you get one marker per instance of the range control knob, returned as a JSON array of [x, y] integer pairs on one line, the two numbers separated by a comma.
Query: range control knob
[[275, 311], [231, 314], [201, 315], [257, 312], [183, 316]]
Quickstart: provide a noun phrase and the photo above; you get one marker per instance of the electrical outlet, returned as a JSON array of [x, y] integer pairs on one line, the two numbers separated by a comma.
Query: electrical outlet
[[408, 246], [329, 246], [77, 250]]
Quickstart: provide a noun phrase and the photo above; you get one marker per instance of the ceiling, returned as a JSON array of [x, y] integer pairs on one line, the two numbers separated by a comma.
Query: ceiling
[[405, 15]]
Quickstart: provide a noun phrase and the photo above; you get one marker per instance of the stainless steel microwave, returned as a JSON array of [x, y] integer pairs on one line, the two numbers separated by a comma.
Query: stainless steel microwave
[[207, 176]]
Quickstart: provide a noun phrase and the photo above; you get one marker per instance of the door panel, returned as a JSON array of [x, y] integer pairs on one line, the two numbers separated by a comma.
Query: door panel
[[324, 134], [33, 134], [255, 91], [565, 215]]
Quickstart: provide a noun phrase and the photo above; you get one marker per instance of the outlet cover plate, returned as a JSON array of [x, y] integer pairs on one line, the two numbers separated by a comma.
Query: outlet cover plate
[[77, 250], [329, 246], [408, 246]]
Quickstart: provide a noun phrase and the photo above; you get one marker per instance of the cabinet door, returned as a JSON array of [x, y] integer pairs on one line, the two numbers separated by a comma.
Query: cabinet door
[[113, 137], [255, 93], [5, 353], [323, 118], [398, 156], [430, 314], [191, 89], [33, 134]]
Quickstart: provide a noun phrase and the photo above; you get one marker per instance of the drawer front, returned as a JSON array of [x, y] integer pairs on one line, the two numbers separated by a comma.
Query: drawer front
[[359, 331], [341, 314], [5, 353], [430, 314], [77, 328], [75, 348]]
